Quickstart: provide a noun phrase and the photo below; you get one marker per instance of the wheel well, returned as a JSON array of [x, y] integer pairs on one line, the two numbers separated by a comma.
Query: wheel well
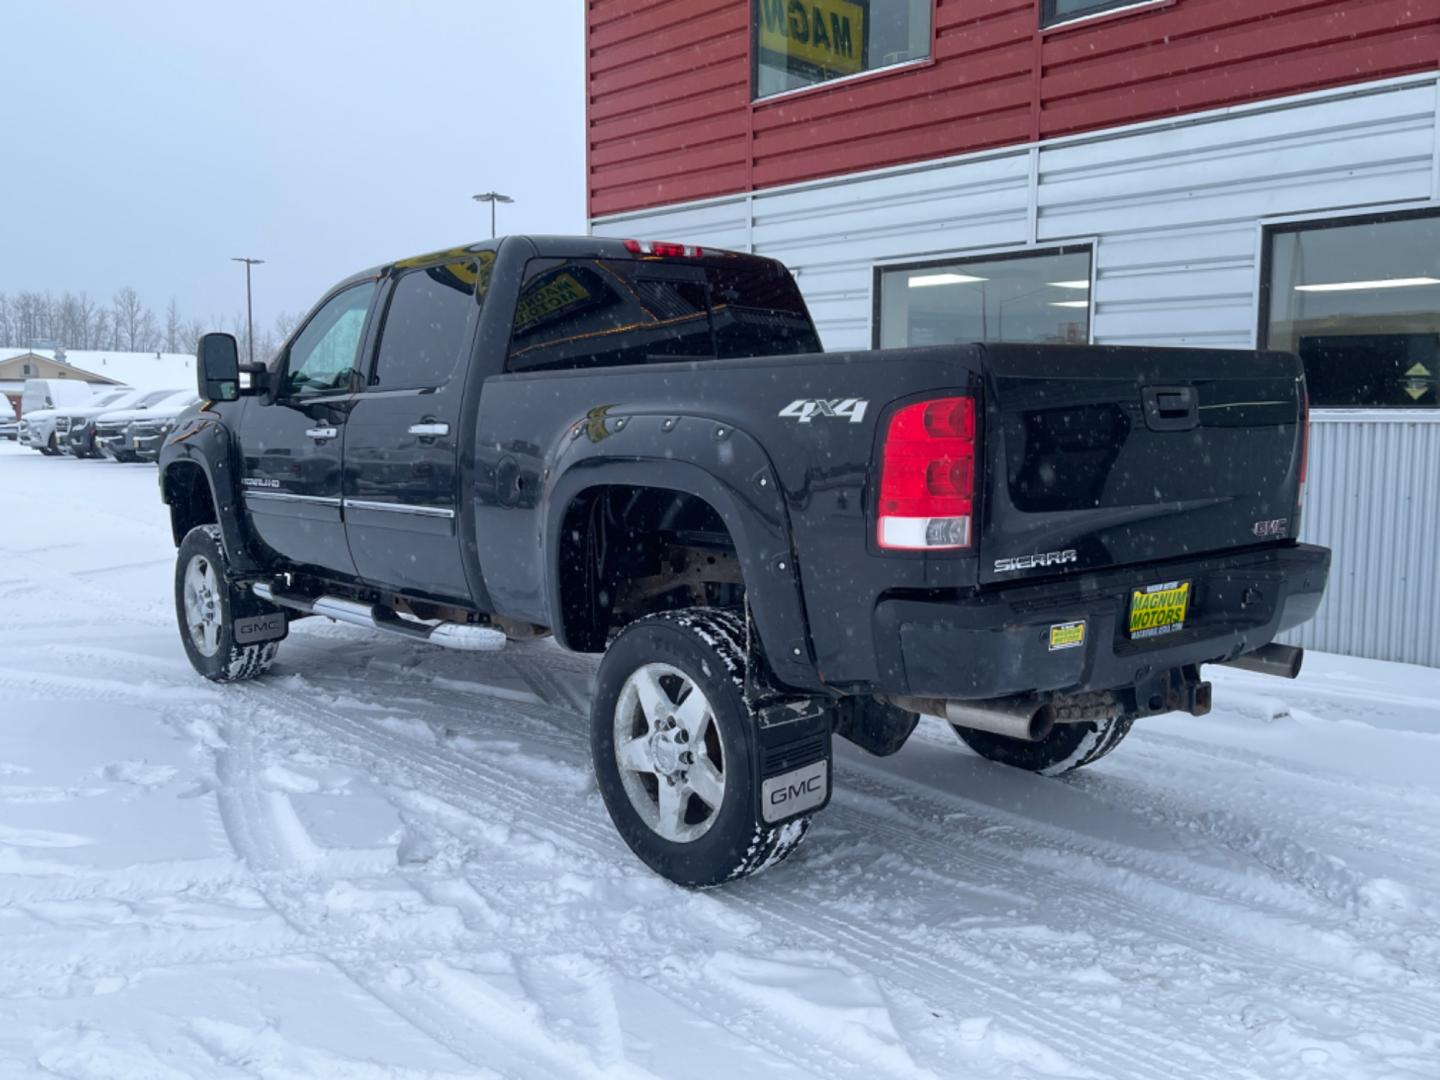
[[188, 493], [628, 551]]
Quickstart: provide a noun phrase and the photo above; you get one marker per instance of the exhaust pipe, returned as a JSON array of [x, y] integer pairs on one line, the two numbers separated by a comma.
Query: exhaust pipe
[[1022, 717], [1283, 661]]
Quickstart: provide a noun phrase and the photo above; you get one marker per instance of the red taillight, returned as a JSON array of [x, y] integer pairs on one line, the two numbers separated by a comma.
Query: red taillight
[[663, 249], [927, 477]]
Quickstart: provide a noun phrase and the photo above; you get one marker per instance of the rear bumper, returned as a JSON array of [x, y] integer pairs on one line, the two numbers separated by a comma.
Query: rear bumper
[[998, 642]]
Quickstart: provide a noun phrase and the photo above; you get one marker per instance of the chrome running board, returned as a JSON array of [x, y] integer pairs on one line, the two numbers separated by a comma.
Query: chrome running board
[[450, 635]]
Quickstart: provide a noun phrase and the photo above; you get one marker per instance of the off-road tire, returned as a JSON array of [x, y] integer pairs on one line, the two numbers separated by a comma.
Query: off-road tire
[[230, 662], [1067, 747], [708, 646]]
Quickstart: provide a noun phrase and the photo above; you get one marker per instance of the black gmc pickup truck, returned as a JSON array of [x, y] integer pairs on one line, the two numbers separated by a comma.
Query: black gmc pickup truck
[[640, 448]]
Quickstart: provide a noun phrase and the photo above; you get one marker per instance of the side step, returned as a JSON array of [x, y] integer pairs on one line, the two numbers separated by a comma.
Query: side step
[[451, 635]]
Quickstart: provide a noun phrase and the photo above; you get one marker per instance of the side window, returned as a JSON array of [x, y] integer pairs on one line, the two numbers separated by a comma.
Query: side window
[[426, 327], [324, 354], [601, 313]]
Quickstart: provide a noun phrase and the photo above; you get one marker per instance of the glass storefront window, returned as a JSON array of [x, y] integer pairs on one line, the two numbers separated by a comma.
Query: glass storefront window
[[1041, 297], [797, 44], [1360, 302]]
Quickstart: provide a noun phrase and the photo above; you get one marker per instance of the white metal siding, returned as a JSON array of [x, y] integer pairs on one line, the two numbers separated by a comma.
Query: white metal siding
[[1374, 499], [1175, 211]]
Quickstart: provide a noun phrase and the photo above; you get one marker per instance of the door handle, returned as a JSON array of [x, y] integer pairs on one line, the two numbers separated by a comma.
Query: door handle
[[321, 433], [429, 430]]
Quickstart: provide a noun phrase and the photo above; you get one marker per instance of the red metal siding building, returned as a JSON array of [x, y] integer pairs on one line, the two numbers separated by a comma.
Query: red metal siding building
[[1220, 173], [670, 115]]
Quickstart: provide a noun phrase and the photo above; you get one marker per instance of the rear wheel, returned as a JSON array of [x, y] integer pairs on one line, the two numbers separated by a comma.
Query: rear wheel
[[206, 606], [673, 742], [1066, 748]]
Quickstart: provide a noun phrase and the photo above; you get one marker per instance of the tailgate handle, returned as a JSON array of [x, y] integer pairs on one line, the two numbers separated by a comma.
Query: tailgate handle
[[1171, 408]]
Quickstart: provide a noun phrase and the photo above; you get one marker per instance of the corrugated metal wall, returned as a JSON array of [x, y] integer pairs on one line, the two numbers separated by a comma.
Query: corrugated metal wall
[[1176, 212], [1175, 209], [1374, 499]]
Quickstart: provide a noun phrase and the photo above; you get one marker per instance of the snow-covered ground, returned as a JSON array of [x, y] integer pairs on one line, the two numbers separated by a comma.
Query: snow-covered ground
[[389, 861]]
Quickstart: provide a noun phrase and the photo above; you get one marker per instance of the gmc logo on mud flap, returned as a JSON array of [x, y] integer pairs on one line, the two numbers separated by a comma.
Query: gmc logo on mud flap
[[794, 792], [252, 628]]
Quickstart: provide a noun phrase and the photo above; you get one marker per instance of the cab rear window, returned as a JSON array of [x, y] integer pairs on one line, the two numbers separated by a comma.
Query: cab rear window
[[575, 313]]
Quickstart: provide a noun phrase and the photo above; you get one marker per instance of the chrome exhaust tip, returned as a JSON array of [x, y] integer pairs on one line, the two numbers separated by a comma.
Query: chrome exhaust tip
[[1024, 717], [1282, 661]]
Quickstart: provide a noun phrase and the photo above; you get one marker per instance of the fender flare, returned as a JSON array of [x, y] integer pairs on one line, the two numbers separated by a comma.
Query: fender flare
[[737, 480], [208, 445]]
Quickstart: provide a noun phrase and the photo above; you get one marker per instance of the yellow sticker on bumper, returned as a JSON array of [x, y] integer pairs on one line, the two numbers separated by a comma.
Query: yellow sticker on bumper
[[1159, 609], [1069, 635]]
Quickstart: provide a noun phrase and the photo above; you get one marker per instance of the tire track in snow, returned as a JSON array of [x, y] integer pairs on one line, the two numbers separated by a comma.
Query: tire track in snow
[[541, 819]]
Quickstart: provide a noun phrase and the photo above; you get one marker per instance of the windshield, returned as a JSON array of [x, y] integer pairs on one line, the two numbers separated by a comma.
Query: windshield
[[153, 398]]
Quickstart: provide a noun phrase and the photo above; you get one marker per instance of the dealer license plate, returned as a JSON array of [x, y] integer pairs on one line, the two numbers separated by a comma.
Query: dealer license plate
[[1159, 609]]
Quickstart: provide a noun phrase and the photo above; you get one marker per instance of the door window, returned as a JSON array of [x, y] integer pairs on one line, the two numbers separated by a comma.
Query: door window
[[427, 327], [323, 355]]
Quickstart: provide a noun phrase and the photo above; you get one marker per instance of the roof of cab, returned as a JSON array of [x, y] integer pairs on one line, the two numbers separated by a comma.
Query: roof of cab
[[545, 246]]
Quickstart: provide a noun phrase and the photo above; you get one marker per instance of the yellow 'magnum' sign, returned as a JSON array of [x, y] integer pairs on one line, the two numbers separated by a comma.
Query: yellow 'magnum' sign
[[828, 35]]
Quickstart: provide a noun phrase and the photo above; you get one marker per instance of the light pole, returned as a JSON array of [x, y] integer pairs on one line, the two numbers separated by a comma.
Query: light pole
[[492, 197], [249, 308]]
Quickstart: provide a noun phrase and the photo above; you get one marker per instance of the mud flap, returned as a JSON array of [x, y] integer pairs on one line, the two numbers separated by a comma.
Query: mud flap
[[792, 762], [253, 629]]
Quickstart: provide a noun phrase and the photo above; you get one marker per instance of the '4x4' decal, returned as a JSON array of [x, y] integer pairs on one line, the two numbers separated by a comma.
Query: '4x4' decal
[[807, 409]]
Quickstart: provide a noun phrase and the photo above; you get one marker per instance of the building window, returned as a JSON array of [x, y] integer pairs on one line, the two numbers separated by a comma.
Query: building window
[[29, 369], [1059, 11], [797, 44], [1039, 297], [1359, 300]]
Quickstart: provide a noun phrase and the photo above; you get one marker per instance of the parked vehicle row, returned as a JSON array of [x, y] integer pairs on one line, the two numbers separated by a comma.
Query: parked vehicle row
[[123, 424]]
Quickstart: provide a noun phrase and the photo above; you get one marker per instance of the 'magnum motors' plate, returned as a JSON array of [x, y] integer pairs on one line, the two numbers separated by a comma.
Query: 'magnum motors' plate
[[1159, 609]]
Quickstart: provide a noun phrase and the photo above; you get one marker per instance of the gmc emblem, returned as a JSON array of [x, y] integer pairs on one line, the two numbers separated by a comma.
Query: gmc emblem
[[794, 792]]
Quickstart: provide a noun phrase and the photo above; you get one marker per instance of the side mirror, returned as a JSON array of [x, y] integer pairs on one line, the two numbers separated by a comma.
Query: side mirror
[[217, 367]]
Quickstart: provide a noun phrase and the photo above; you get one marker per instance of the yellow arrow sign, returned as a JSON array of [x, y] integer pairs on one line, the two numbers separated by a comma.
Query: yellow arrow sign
[[1416, 392], [1419, 369]]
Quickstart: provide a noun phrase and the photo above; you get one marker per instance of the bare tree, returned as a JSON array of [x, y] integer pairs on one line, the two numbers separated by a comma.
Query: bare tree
[[87, 310], [285, 324], [129, 316], [190, 334], [173, 327]]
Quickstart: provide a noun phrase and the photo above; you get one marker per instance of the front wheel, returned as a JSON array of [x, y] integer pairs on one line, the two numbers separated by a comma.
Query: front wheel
[[206, 607], [1066, 748], [673, 743]]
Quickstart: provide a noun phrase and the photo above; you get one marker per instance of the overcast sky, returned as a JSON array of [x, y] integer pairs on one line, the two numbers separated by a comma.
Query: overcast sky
[[148, 141]]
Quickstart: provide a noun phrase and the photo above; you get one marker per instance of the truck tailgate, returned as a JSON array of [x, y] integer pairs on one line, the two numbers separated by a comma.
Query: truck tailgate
[[1101, 456]]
